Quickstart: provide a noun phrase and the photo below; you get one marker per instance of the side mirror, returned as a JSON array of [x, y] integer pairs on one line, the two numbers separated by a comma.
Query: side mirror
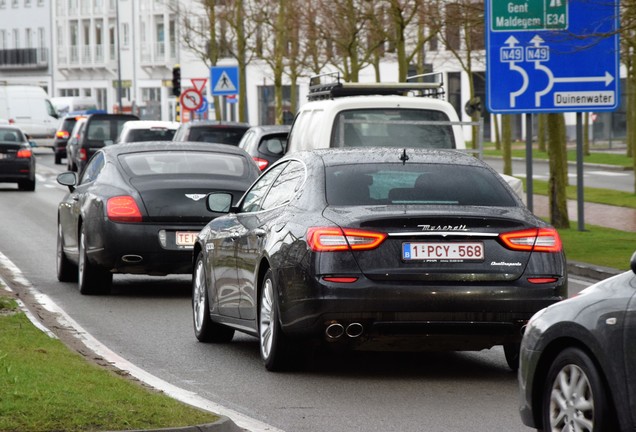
[[632, 262], [68, 179], [33, 144], [219, 202]]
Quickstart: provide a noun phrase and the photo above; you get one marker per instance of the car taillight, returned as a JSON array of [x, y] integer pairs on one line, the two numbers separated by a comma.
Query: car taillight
[[123, 209], [262, 163], [82, 154], [533, 240], [329, 239], [24, 154], [62, 134], [11, 121]]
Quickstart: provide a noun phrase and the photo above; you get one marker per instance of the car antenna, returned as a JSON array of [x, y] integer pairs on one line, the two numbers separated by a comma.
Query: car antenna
[[404, 157]]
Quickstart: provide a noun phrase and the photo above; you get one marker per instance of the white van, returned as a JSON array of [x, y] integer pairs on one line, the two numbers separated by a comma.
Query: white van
[[29, 108], [71, 104]]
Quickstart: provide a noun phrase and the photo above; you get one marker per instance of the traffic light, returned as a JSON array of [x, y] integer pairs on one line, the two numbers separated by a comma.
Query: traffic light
[[176, 80]]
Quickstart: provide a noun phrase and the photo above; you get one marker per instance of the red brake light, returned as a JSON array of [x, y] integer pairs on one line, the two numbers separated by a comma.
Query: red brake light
[[11, 121], [262, 163], [62, 134], [534, 239], [82, 154], [24, 154], [340, 279], [326, 239], [544, 280], [123, 209]]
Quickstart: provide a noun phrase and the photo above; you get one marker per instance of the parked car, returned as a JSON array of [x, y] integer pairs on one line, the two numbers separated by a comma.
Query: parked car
[[64, 131], [17, 162], [147, 130], [211, 131], [426, 249], [92, 133], [577, 360], [266, 144], [137, 208]]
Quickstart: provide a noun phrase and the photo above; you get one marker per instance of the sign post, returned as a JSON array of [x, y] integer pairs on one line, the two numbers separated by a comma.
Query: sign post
[[547, 56]]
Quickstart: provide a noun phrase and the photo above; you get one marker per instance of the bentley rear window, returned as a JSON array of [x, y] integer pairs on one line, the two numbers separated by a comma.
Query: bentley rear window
[[415, 184], [185, 162]]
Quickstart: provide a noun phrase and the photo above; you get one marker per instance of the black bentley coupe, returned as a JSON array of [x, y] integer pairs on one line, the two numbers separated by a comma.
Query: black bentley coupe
[[138, 207]]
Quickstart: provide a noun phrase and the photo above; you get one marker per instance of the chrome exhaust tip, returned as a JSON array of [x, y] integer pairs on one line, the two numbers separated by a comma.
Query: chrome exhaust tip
[[132, 259], [334, 330], [354, 330]]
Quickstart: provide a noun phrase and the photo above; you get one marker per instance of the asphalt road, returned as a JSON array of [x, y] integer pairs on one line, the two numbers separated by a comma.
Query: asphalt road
[[148, 322]]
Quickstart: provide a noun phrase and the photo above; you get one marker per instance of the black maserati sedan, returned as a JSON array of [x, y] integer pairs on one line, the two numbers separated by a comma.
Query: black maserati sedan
[[577, 360], [369, 249], [138, 207]]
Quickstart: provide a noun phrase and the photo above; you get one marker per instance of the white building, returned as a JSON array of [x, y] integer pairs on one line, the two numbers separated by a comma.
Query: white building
[[25, 43], [70, 47]]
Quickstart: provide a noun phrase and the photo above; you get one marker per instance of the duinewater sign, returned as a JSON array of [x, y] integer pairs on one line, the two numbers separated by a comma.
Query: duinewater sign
[[552, 56]]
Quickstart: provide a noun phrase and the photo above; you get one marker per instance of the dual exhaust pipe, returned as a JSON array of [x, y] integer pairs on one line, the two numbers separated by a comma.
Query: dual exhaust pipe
[[335, 330]]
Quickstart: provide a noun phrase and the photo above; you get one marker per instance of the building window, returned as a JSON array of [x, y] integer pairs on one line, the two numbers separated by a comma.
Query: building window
[[27, 3], [15, 3], [125, 35], [3, 3]]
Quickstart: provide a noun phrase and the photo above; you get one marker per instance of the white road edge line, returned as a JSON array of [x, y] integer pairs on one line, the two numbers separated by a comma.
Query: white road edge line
[[115, 359]]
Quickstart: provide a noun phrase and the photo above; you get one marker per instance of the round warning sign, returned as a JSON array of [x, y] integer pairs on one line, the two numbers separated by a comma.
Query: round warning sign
[[191, 100]]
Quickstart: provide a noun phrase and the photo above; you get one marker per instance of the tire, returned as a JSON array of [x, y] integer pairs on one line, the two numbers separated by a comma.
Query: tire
[[575, 395], [277, 351], [27, 185], [205, 329], [511, 351], [90, 278], [58, 158], [66, 270]]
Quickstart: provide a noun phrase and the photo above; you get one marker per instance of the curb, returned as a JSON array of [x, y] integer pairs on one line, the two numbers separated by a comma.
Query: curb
[[590, 271], [223, 424]]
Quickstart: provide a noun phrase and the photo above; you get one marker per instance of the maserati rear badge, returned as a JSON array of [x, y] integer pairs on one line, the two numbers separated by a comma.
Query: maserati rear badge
[[195, 197]]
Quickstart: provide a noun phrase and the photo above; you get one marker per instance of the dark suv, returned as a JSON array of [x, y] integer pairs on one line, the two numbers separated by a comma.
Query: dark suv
[[211, 131], [92, 133]]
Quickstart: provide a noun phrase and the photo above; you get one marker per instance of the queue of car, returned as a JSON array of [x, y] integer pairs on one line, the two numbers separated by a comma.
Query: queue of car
[[304, 236]]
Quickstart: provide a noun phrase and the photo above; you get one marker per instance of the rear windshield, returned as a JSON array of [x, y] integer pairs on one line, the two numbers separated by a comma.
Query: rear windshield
[[216, 134], [11, 136], [395, 127], [434, 184], [104, 129], [152, 134], [185, 162]]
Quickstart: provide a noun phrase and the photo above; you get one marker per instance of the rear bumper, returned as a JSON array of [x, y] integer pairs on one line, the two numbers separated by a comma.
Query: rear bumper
[[17, 171], [467, 316], [136, 248]]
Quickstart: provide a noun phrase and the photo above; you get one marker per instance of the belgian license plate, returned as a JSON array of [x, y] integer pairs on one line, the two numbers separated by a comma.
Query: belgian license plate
[[186, 238], [439, 251]]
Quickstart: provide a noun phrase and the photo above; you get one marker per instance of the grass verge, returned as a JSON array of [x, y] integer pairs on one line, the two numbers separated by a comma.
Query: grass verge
[[595, 157], [44, 386], [594, 195], [599, 246]]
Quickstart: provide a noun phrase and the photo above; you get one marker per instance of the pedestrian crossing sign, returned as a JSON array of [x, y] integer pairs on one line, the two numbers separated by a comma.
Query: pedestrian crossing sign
[[224, 80]]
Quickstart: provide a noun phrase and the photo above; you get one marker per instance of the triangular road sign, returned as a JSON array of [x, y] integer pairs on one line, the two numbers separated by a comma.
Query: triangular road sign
[[199, 83], [224, 84]]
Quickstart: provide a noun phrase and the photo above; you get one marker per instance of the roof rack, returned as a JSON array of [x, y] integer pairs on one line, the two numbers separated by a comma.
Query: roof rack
[[330, 86]]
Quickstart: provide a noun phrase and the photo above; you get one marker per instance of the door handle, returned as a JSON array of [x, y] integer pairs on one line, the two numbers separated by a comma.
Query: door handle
[[234, 235], [259, 232]]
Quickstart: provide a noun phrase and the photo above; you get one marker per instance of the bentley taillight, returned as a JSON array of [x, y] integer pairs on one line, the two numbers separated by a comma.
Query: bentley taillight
[[123, 209], [330, 239]]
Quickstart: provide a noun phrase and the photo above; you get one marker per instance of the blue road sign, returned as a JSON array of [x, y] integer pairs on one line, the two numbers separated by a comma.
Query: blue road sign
[[204, 107], [224, 80], [552, 56]]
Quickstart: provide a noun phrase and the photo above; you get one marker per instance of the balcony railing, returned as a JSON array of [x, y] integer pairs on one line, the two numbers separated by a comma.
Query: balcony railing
[[24, 58], [158, 54]]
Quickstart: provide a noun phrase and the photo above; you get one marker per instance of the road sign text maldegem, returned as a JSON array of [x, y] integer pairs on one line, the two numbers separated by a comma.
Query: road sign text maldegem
[[527, 15]]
